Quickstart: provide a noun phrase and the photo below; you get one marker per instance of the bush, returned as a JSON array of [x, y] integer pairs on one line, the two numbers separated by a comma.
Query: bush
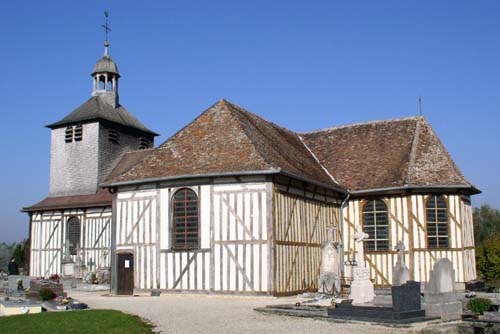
[[47, 294], [479, 305], [488, 258]]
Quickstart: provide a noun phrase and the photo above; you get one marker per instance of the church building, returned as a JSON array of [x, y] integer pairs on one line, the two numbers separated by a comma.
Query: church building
[[233, 203]]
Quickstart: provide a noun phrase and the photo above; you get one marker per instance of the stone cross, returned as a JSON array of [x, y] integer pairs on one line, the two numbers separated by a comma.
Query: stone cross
[[67, 254], [331, 233], [400, 247], [358, 237], [102, 261]]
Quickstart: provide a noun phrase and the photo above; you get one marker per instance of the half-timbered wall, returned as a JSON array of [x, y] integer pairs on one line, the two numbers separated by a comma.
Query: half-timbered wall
[[48, 239], [407, 222], [300, 228], [234, 245]]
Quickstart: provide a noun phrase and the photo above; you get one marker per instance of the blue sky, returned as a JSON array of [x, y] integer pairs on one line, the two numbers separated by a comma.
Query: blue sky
[[305, 65]]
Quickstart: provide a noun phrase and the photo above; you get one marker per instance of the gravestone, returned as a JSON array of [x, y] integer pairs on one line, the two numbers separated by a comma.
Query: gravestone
[[78, 266], [406, 297], [406, 307], [68, 266], [329, 277], [362, 290], [400, 272], [440, 297]]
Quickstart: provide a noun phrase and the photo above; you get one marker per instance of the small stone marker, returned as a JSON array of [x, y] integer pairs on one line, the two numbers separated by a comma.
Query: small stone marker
[[440, 298]]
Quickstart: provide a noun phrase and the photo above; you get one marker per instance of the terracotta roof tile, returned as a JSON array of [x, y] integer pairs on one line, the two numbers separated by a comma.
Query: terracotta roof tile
[[100, 199], [385, 154], [228, 139]]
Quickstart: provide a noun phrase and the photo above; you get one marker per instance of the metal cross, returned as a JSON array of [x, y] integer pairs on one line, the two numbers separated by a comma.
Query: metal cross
[[90, 264], [106, 27]]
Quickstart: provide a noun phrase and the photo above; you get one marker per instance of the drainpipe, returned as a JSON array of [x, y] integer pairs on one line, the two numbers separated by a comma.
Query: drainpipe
[[342, 266]]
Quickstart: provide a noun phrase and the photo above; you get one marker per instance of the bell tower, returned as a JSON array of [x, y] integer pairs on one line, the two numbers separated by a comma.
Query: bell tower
[[105, 74]]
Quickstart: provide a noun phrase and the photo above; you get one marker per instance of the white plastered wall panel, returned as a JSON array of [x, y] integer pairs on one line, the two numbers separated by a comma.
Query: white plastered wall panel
[[136, 232], [49, 239], [239, 238]]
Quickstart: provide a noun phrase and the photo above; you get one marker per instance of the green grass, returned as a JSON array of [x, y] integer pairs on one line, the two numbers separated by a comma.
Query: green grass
[[85, 321]]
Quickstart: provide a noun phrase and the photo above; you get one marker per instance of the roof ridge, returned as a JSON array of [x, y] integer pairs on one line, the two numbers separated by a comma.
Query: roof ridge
[[390, 120], [317, 160], [413, 150]]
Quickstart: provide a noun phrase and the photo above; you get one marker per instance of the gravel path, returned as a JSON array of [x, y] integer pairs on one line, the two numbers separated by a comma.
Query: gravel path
[[177, 313]]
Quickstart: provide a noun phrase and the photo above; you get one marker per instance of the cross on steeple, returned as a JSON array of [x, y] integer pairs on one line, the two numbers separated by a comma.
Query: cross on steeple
[[106, 27]]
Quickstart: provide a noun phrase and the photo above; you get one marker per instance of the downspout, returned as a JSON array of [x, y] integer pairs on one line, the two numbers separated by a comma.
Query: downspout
[[341, 263]]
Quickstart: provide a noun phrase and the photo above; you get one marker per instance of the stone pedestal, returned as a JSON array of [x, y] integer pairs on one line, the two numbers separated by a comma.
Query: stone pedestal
[[440, 298], [362, 290], [68, 269], [444, 305]]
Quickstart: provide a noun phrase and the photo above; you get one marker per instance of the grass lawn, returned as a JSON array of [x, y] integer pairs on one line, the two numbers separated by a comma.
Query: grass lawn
[[85, 321]]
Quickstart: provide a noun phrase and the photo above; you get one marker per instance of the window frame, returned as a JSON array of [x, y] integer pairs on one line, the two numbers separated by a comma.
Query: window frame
[[373, 236], [435, 224], [192, 243], [70, 233]]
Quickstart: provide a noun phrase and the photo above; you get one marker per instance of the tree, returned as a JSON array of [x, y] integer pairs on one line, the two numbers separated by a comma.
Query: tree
[[488, 258], [486, 223]]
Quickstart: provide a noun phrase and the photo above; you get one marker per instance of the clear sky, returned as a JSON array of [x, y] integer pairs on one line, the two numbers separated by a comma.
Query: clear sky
[[305, 65]]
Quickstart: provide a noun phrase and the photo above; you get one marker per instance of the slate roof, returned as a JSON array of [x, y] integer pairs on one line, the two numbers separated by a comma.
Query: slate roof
[[96, 108], [384, 154], [226, 139], [105, 64], [100, 199]]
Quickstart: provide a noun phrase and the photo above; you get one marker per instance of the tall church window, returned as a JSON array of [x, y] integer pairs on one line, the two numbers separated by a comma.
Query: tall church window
[[73, 234], [185, 220], [437, 222], [376, 225]]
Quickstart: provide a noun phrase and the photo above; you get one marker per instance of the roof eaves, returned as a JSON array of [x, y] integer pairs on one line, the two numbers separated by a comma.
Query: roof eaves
[[189, 176], [322, 184], [65, 206], [473, 190]]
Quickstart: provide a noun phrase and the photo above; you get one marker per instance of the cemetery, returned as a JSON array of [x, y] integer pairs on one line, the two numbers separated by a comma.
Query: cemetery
[[436, 302]]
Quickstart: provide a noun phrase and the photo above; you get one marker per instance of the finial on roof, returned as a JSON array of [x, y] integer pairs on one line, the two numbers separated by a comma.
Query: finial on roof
[[107, 29], [420, 105]]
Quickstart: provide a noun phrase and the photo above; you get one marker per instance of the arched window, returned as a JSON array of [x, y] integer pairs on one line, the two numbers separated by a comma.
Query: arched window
[[185, 219], [73, 234], [376, 225], [437, 222]]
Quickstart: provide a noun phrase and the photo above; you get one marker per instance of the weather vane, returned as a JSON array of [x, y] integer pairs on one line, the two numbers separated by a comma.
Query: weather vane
[[106, 27]]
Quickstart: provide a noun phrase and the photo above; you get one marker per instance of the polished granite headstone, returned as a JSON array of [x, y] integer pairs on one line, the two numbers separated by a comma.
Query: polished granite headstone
[[406, 307]]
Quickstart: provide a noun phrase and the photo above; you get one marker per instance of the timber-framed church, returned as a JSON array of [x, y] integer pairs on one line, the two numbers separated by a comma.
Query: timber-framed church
[[233, 203]]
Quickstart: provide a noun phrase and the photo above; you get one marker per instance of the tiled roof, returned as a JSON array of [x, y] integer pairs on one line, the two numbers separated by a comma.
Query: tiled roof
[[102, 198], [226, 139], [383, 154], [129, 160], [96, 108]]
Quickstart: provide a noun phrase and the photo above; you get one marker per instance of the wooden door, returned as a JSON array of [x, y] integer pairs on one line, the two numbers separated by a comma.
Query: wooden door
[[125, 275]]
